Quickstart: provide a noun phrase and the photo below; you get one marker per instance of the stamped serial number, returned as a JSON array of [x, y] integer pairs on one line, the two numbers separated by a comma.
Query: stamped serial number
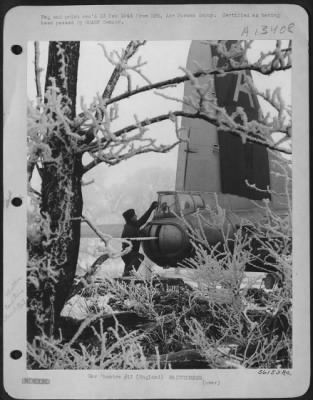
[[285, 372]]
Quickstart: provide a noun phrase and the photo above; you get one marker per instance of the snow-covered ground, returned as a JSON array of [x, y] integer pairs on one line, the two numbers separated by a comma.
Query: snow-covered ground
[[91, 248]]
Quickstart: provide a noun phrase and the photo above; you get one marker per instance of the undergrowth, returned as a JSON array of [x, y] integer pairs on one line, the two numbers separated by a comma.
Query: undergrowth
[[220, 321]]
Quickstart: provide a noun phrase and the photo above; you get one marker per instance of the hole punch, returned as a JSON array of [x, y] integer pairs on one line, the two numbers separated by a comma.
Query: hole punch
[[17, 201], [16, 49], [16, 354]]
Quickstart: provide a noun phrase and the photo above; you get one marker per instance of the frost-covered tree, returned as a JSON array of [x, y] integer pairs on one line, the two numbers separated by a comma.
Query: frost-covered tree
[[59, 137]]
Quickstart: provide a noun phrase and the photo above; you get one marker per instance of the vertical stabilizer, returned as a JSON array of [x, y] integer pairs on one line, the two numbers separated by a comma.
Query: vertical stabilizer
[[198, 161], [215, 160]]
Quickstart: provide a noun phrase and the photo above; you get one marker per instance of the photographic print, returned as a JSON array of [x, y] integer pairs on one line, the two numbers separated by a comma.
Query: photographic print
[[156, 202], [159, 220]]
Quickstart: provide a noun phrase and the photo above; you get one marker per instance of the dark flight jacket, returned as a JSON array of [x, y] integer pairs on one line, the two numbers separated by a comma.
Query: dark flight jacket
[[132, 229]]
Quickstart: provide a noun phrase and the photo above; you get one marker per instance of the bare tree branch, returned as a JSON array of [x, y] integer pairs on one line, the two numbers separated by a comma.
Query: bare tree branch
[[116, 160], [184, 78], [97, 137], [214, 121], [130, 50], [266, 69]]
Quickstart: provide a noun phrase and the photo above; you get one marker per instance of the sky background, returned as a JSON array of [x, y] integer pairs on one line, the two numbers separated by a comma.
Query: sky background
[[163, 61]]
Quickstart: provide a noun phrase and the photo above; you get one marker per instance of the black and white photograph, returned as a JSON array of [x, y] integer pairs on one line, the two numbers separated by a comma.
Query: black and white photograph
[[159, 218], [156, 202]]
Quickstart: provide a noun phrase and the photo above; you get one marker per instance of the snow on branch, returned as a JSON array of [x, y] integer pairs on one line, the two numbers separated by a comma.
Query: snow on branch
[[222, 120], [48, 118], [274, 97], [93, 130], [260, 66], [121, 147], [184, 78], [38, 71], [276, 59], [120, 69], [63, 65], [120, 61]]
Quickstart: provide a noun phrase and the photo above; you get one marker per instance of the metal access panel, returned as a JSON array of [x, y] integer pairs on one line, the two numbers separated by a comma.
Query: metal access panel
[[202, 160]]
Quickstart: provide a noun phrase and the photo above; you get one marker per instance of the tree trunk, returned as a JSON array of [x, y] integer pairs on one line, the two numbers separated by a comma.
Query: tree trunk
[[61, 200], [62, 203]]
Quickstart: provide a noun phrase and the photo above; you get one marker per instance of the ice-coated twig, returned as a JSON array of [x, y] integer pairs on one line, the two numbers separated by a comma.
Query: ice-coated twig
[[38, 71]]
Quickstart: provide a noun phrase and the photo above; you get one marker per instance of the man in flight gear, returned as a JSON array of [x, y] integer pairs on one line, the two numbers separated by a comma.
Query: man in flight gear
[[133, 259]]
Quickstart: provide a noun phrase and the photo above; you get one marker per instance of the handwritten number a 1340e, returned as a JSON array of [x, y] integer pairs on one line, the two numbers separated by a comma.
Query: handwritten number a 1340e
[[269, 30]]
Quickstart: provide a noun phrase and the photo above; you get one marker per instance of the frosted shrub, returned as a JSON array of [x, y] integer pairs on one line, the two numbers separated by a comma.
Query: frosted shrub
[[115, 349], [249, 327]]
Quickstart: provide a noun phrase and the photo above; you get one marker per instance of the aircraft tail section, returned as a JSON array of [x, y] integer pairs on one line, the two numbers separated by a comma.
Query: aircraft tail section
[[215, 160], [198, 162]]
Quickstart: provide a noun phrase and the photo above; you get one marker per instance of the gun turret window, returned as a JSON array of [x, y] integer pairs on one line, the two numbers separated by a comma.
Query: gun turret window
[[167, 205], [198, 200], [186, 203]]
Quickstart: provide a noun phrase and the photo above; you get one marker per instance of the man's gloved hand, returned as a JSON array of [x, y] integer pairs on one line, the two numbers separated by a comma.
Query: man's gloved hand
[[154, 205]]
